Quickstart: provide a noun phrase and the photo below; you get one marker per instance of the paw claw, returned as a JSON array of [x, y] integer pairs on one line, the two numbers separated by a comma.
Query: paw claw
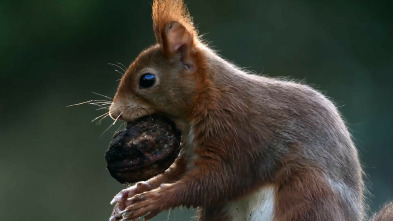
[[115, 199], [118, 197], [123, 212], [112, 218]]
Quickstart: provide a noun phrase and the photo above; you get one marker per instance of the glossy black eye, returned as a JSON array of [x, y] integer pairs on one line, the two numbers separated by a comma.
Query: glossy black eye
[[147, 80]]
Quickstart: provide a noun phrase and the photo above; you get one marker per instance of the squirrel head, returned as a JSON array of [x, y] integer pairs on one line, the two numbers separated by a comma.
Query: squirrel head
[[166, 78]]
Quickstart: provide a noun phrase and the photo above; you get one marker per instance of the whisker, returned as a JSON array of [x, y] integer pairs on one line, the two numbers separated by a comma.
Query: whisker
[[102, 115], [106, 130], [102, 103], [99, 122], [101, 95], [120, 127], [103, 108], [112, 123], [86, 102], [117, 118], [122, 65], [118, 66], [119, 72], [77, 104]]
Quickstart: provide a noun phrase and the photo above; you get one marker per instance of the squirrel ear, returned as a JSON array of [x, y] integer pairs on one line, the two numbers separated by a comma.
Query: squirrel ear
[[177, 36], [178, 40], [174, 30]]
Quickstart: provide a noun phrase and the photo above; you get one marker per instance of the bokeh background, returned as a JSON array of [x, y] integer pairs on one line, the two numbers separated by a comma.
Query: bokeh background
[[56, 53]]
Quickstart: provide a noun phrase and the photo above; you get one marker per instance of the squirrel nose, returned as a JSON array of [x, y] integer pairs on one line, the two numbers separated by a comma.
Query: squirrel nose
[[115, 113]]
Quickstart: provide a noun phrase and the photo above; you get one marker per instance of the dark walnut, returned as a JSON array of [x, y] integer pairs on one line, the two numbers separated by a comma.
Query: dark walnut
[[146, 148]]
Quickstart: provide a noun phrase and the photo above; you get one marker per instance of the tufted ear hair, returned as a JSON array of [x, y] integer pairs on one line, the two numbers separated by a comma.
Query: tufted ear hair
[[174, 30]]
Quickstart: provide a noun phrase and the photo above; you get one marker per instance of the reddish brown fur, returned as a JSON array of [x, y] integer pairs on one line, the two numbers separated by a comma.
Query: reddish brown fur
[[167, 11], [240, 133], [304, 194]]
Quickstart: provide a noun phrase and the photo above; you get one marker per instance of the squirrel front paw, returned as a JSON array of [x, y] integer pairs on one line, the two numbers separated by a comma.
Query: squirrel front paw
[[147, 205], [120, 200]]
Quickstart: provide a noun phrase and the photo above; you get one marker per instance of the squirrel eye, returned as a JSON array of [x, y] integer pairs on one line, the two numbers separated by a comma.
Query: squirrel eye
[[147, 80]]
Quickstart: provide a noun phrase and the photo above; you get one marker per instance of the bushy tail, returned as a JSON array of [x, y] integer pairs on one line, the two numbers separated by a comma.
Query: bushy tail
[[385, 214]]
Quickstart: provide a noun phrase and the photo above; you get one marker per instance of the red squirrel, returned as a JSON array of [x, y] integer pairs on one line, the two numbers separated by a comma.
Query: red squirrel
[[253, 147]]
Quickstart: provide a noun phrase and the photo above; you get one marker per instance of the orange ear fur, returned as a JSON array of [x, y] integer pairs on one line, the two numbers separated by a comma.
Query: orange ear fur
[[173, 26]]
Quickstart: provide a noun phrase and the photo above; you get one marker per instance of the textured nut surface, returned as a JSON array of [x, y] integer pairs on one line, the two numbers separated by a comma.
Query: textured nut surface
[[146, 148]]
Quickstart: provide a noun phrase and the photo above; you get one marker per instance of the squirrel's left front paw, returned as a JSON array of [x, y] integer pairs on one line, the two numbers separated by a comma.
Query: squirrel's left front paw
[[121, 199], [147, 204], [116, 216]]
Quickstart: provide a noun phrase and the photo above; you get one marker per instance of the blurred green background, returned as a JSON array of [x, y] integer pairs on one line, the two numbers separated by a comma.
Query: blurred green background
[[55, 53]]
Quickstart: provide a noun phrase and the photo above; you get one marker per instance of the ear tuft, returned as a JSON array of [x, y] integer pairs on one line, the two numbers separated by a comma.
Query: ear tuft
[[173, 26]]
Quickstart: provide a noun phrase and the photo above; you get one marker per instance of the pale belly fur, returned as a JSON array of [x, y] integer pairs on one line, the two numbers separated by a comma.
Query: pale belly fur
[[259, 206]]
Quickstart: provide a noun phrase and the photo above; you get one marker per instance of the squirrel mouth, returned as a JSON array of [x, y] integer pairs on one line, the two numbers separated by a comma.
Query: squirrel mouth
[[146, 148]]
